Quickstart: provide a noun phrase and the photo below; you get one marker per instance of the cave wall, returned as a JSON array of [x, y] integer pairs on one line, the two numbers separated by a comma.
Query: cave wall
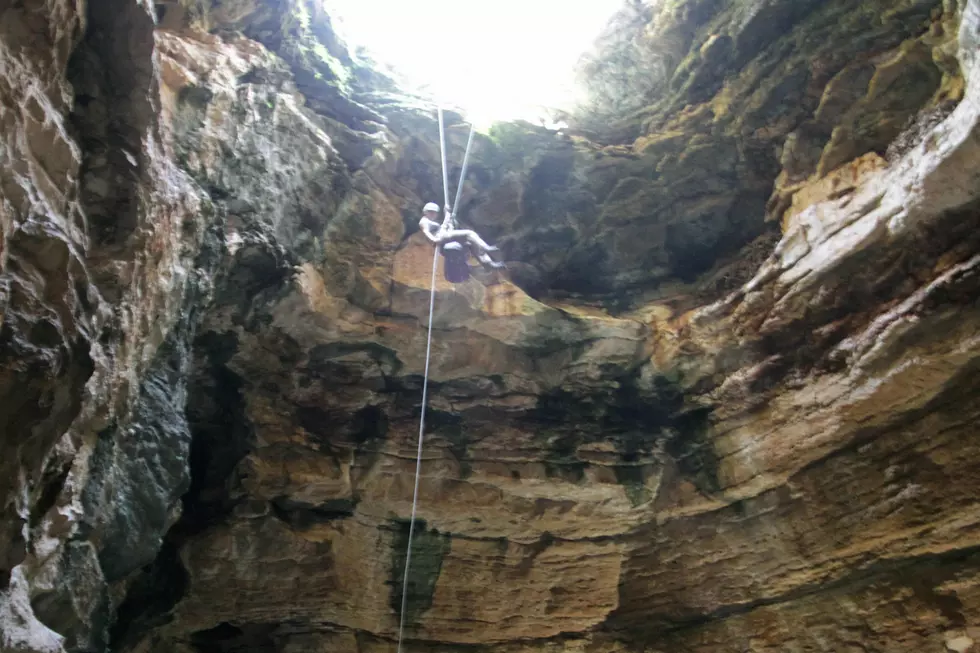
[[723, 399], [104, 267]]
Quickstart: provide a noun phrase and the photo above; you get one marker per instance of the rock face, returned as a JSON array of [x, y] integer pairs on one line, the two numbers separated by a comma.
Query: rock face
[[724, 399]]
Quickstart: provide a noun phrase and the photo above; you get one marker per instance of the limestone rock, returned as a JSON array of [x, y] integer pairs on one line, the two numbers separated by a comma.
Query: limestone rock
[[668, 426], [102, 265]]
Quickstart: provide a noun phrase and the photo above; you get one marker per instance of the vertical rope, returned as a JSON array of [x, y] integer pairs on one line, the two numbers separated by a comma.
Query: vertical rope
[[418, 457], [462, 173], [425, 386], [445, 170]]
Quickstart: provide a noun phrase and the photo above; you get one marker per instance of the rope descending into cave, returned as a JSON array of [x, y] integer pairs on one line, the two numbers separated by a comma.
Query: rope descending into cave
[[450, 213], [418, 457]]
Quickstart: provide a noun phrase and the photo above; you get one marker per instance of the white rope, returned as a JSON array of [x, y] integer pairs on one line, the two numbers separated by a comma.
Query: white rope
[[462, 174], [428, 355], [418, 458], [445, 170]]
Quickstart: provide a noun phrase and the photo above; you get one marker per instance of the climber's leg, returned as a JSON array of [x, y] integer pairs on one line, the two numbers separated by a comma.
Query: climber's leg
[[472, 237], [485, 259]]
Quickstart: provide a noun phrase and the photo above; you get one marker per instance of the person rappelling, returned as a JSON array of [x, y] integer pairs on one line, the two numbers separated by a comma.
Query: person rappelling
[[455, 245]]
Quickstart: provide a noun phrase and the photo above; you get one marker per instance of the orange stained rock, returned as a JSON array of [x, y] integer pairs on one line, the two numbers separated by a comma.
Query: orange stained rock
[[836, 184]]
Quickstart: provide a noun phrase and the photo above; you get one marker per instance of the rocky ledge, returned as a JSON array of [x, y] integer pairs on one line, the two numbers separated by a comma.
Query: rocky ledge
[[722, 399]]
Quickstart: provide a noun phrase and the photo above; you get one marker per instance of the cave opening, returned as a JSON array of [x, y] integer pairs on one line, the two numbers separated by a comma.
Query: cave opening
[[497, 61]]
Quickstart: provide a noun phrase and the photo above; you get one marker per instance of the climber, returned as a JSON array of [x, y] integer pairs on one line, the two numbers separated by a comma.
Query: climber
[[450, 240]]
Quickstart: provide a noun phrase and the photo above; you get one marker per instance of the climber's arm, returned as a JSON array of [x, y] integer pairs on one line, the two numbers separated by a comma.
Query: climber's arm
[[449, 222], [430, 228]]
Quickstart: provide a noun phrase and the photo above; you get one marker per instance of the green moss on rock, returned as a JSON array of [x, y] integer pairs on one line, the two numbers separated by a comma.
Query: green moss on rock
[[429, 548]]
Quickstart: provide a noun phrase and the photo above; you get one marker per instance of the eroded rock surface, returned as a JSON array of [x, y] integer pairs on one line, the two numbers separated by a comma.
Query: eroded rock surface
[[724, 399]]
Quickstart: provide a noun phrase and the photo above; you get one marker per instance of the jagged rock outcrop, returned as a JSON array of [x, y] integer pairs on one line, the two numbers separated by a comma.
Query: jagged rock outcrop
[[723, 401], [738, 90], [104, 264]]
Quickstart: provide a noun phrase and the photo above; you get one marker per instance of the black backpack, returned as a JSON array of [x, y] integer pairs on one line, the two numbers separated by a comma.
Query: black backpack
[[456, 269]]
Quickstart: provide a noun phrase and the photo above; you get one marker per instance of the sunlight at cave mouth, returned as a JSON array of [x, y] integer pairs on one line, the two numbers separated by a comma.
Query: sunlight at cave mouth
[[499, 60]]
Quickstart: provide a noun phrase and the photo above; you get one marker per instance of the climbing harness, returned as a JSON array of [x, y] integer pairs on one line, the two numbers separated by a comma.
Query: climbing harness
[[452, 270]]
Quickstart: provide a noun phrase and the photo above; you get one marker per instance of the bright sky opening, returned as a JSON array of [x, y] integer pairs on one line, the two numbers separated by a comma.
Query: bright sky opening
[[496, 60]]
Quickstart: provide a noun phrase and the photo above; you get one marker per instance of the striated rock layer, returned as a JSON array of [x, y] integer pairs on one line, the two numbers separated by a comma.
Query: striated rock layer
[[723, 399]]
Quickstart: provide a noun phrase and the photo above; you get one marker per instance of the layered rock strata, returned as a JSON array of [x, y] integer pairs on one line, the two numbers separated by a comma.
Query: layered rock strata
[[723, 400]]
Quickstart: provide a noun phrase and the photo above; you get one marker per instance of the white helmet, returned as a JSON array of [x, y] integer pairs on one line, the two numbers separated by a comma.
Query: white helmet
[[431, 206]]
